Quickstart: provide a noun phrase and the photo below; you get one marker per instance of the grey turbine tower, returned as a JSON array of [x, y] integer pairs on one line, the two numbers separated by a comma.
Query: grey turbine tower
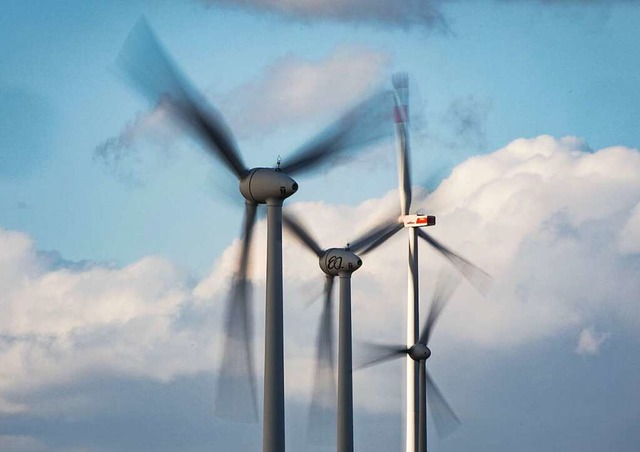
[[444, 417], [151, 70], [334, 262]]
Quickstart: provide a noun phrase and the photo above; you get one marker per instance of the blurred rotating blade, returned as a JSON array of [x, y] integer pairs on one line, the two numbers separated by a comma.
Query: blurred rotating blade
[[367, 122], [321, 427], [401, 113], [443, 416], [150, 69], [293, 224], [446, 284], [236, 388], [372, 354], [376, 237], [475, 275]]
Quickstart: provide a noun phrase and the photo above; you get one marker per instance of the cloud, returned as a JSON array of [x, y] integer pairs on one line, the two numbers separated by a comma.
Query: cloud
[[629, 240], [426, 14], [406, 14], [589, 342], [465, 124], [292, 91], [544, 216], [122, 155], [66, 321]]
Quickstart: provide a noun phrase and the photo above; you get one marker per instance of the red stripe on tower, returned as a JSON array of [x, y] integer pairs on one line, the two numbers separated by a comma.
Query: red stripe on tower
[[400, 113]]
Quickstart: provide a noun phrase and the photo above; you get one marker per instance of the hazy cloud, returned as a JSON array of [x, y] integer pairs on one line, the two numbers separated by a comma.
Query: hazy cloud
[[290, 91], [294, 90], [426, 14], [405, 14], [122, 155], [465, 121], [589, 341]]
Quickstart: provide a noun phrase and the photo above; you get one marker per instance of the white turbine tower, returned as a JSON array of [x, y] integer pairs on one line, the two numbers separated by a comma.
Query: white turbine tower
[[334, 262], [427, 393], [414, 224]]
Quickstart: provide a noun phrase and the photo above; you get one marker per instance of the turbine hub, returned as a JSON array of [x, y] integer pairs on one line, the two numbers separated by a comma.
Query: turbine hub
[[419, 352], [263, 184], [335, 261]]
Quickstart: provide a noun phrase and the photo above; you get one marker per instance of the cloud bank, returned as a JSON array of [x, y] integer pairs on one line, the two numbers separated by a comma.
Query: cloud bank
[[551, 220]]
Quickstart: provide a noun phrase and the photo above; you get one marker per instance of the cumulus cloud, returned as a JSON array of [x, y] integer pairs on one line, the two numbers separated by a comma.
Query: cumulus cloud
[[63, 323], [544, 216], [629, 240], [589, 341]]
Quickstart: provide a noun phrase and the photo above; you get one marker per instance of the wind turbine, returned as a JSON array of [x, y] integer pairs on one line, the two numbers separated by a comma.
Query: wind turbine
[[414, 224], [151, 70], [341, 262], [443, 415]]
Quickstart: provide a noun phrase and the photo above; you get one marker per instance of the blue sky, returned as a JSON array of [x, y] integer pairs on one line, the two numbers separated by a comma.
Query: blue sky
[[145, 219]]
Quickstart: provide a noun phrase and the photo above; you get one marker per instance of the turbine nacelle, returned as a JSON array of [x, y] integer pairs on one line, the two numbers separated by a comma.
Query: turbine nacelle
[[418, 220], [419, 352], [260, 185], [335, 261]]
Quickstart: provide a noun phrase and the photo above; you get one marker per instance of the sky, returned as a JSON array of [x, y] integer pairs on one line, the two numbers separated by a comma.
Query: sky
[[119, 234]]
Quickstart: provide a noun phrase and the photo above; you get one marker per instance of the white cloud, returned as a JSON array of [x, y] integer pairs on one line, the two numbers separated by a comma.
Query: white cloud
[[60, 325], [293, 90], [542, 215], [290, 91], [589, 341], [629, 239]]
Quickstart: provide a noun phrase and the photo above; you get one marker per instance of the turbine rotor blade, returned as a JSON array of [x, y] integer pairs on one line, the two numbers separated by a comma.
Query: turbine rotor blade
[[376, 236], [236, 397], [401, 97], [323, 403], [475, 275], [249, 221], [445, 286], [367, 122], [444, 418], [147, 65], [293, 224], [379, 353]]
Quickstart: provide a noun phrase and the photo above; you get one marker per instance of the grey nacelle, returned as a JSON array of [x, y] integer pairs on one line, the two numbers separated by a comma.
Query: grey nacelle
[[263, 184], [419, 352], [335, 261]]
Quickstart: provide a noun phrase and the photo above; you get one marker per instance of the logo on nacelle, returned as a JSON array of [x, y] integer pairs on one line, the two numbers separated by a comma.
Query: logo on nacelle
[[335, 263]]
